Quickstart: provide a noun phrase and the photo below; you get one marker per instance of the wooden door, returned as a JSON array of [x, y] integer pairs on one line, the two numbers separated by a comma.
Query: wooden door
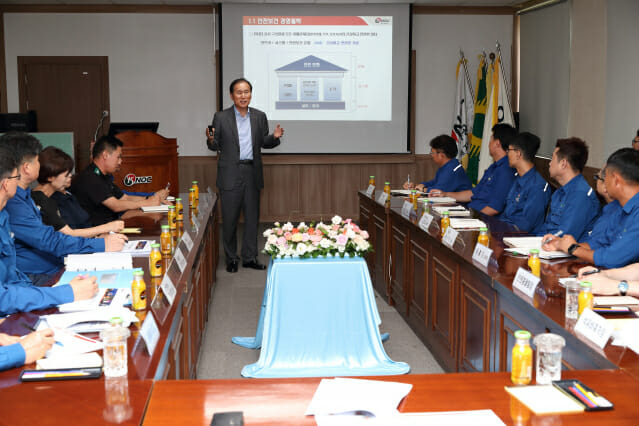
[[68, 93]]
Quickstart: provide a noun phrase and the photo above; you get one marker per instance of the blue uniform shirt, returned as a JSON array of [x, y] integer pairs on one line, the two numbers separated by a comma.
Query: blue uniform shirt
[[12, 356], [451, 177], [40, 249], [526, 202], [604, 225], [244, 134], [493, 187], [621, 247], [573, 209]]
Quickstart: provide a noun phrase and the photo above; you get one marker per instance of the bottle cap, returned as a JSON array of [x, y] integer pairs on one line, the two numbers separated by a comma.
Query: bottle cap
[[165, 227], [387, 183], [178, 199], [372, 177], [586, 284], [483, 229], [195, 182], [534, 251], [171, 207], [522, 334], [138, 272], [155, 245], [192, 189], [116, 321], [446, 213]]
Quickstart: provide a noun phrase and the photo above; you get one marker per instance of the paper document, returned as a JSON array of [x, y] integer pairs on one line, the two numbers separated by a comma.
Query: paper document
[[138, 248], [523, 245], [98, 261], [106, 297], [545, 399], [439, 200], [117, 278], [466, 223], [86, 360], [404, 192], [164, 208], [131, 231], [69, 343], [628, 335], [444, 418], [89, 321], [614, 300]]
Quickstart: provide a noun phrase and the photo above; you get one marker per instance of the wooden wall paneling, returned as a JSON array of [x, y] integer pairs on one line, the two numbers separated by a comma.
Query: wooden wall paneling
[[345, 182], [444, 288], [316, 192], [379, 245], [382, 172], [397, 265], [477, 321], [202, 169], [417, 282], [280, 199]]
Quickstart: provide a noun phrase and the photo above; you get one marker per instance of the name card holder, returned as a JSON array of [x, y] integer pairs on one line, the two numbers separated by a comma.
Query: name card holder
[[382, 198], [370, 191], [449, 237], [407, 207], [482, 254], [180, 259], [168, 289], [526, 282], [188, 241], [594, 327], [150, 333], [425, 221]]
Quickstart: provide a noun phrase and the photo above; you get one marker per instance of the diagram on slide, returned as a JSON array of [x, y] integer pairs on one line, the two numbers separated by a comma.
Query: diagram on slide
[[310, 83]]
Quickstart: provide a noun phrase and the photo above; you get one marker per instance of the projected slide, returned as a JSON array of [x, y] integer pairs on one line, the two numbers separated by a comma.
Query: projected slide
[[336, 68]]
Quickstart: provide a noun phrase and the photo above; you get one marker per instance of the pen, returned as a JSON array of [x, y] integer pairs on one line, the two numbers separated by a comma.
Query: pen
[[168, 185], [594, 271], [27, 326], [556, 234]]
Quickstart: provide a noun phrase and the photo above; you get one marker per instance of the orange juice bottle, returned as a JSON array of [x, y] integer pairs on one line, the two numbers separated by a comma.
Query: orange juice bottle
[[165, 241], [387, 191], [192, 202], [533, 262], [138, 291], [155, 261], [196, 189], [172, 217], [179, 210], [413, 197], [445, 222], [585, 296], [483, 237], [521, 362], [371, 180]]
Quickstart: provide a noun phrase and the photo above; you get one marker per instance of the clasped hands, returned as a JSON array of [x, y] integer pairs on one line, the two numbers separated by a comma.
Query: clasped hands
[[420, 187], [277, 133]]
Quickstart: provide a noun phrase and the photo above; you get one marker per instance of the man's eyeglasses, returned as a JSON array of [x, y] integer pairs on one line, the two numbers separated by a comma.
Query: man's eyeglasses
[[598, 177], [512, 149], [14, 177]]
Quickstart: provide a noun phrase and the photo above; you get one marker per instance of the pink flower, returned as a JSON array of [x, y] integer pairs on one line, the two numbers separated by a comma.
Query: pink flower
[[355, 228], [305, 237], [281, 241], [288, 236], [316, 238], [280, 232], [364, 234], [335, 227], [342, 239], [348, 220], [318, 232]]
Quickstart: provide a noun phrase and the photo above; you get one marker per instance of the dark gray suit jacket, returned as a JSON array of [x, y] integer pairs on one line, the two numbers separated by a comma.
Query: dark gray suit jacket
[[227, 144]]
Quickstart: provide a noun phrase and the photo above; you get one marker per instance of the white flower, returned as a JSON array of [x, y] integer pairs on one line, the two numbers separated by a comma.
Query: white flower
[[350, 233], [301, 225], [267, 232], [325, 243], [288, 226], [332, 234], [336, 220], [341, 249], [301, 249], [277, 224], [272, 239]]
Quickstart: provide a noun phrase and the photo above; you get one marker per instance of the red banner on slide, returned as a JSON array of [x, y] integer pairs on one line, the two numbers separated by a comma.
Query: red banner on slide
[[303, 20]]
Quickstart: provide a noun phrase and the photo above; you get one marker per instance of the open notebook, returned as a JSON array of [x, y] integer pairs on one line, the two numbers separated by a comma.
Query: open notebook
[[523, 245]]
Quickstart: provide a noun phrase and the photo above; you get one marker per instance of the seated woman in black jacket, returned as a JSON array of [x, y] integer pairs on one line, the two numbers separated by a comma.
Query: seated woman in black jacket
[[58, 207]]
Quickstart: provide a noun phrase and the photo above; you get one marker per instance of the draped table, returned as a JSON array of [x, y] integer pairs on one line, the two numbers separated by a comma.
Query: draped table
[[319, 318]]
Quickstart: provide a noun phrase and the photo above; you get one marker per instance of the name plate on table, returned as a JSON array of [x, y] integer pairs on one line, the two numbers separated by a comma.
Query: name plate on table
[[407, 207], [382, 198], [594, 327], [168, 288], [188, 241], [370, 191], [196, 222], [425, 221], [482, 254], [526, 282], [150, 333], [449, 237], [180, 259]]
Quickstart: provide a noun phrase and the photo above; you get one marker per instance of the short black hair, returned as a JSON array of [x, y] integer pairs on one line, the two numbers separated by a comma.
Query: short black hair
[[528, 144], [24, 146], [625, 161], [504, 133], [446, 144], [106, 143], [240, 80], [53, 161], [7, 161], [573, 150]]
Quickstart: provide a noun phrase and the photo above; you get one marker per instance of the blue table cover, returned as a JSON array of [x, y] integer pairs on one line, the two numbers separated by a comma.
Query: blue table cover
[[319, 318]]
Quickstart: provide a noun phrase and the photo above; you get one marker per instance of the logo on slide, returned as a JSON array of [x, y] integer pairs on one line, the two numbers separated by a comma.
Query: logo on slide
[[382, 20], [131, 179]]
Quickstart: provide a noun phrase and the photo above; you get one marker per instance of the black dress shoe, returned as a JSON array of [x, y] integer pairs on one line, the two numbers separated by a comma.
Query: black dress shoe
[[254, 264], [231, 266]]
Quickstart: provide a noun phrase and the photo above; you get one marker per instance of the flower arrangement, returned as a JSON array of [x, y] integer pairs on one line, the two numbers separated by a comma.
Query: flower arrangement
[[339, 238]]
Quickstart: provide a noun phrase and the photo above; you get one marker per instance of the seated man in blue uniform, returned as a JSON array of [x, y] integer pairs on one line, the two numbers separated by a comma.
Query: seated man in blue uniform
[[16, 292], [40, 249], [489, 195], [574, 207], [450, 176], [609, 217], [529, 195], [618, 247]]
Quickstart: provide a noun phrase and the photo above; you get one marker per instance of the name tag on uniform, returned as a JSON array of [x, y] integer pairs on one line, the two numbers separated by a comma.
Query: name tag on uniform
[[594, 327], [407, 207], [449, 237], [526, 282], [425, 221], [370, 191], [382, 198], [168, 289], [482, 254]]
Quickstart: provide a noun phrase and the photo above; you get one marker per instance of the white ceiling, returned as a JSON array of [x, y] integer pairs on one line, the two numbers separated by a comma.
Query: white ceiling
[[205, 2]]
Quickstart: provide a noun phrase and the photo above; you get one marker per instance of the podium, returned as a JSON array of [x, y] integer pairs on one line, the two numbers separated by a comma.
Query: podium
[[149, 161]]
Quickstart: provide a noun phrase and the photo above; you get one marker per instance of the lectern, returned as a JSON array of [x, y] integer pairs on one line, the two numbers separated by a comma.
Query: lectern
[[149, 161]]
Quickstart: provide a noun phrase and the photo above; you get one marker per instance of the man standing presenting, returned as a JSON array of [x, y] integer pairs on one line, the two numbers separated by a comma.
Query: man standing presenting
[[238, 134]]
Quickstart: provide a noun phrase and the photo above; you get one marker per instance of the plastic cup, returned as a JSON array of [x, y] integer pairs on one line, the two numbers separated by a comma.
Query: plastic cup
[[548, 363], [115, 351], [572, 299]]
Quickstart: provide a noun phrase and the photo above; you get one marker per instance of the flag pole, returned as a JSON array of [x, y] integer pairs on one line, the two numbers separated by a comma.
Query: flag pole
[[501, 62], [466, 74]]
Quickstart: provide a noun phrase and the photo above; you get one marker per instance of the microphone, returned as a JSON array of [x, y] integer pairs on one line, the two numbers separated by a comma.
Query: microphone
[[105, 114]]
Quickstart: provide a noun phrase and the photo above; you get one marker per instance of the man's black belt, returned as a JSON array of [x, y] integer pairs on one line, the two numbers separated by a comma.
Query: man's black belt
[[250, 162]]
